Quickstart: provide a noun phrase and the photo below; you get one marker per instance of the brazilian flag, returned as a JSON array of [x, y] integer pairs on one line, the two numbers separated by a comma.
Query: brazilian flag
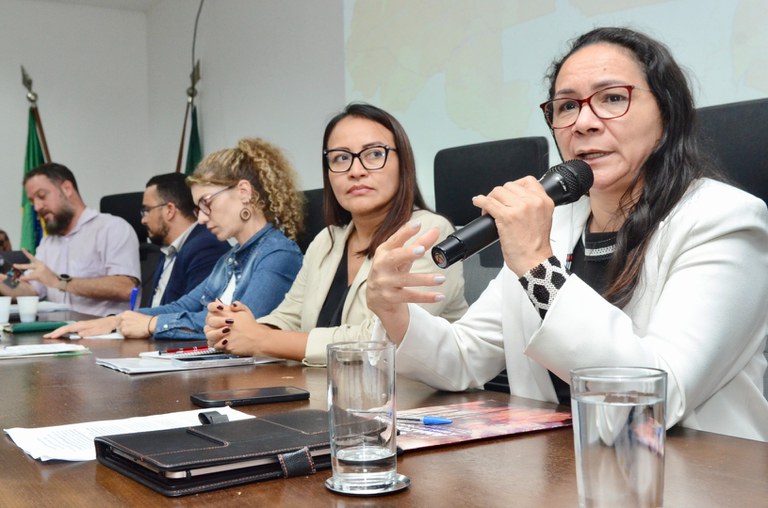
[[31, 227]]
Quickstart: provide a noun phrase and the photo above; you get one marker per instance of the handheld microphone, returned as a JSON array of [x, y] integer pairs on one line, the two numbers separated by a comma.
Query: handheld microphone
[[564, 183]]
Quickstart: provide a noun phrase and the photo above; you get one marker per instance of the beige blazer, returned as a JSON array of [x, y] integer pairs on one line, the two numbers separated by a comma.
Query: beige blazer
[[301, 306]]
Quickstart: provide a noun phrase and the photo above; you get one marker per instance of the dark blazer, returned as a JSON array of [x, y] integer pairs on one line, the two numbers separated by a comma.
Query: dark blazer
[[193, 264]]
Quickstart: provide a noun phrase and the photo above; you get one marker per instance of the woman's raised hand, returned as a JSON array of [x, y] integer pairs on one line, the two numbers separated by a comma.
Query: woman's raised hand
[[390, 279]]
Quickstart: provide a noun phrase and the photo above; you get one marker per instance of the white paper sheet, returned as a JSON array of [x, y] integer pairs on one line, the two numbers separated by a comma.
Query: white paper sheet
[[157, 355], [109, 336], [35, 350], [43, 306], [74, 442], [147, 365]]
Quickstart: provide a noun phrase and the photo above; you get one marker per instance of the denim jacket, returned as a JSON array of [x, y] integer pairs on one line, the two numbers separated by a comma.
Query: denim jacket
[[264, 268]]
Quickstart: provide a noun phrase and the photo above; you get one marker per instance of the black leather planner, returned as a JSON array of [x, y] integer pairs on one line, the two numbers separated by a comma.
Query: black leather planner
[[177, 462]]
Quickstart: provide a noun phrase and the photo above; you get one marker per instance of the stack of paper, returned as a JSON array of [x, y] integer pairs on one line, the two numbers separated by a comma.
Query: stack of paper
[[35, 350], [146, 365]]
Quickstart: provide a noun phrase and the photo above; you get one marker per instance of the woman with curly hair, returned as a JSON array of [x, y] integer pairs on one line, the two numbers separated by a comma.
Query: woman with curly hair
[[369, 191], [247, 194]]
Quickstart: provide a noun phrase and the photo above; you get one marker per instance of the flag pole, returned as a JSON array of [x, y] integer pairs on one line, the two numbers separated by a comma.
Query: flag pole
[[32, 98], [191, 94], [183, 133]]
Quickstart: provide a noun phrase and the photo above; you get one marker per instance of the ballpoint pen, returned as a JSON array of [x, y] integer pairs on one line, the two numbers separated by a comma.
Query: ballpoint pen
[[195, 349], [426, 420], [134, 294]]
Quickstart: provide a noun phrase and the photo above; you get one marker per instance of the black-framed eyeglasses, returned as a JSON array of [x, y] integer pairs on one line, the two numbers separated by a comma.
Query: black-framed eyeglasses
[[146, 209], [372, 158], [204, 205], [607, 104]]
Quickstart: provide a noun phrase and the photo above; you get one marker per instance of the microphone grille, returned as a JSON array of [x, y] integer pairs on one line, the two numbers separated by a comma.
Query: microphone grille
[[577, 176]]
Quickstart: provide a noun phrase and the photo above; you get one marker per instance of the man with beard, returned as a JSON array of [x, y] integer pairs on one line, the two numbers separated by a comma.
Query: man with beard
[[189, 249], [88, 260]]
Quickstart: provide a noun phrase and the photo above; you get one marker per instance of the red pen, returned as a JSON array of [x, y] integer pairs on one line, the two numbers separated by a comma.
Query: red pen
[[195, 349]]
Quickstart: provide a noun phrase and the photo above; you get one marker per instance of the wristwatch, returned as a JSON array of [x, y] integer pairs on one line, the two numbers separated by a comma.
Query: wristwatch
[[63, 281]]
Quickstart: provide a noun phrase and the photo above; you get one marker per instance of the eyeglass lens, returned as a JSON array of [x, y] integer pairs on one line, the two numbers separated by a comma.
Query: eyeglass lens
[[340, 161], [204, 205], [611, 102], [146, 209]]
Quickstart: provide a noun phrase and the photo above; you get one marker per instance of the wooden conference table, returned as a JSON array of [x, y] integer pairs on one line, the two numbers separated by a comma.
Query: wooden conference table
[[529, 470]]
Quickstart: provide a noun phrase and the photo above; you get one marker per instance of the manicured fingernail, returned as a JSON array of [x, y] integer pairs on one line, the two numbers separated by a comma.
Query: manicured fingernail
[[231, 321], [224, 342], [415, 224], [418, 250], [225, 330], [439, 279], [440, 297]]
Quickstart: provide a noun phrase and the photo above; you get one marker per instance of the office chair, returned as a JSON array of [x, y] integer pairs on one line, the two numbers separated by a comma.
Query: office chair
[[734, 134], [313, 218], [466, 171], [128, 207]]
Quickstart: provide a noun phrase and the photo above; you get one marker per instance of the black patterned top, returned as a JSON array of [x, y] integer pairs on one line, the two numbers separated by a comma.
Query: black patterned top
[[589, 261]]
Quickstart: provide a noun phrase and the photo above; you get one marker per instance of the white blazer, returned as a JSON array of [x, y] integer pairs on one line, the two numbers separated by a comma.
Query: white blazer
[[699, 313]]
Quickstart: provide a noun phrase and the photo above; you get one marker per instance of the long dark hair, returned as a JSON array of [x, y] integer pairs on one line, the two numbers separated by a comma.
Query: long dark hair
[[672, 166], [408, 195]]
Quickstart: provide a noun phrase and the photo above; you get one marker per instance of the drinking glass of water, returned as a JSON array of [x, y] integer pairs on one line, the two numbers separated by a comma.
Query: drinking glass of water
[[361, 412], [619, 435]]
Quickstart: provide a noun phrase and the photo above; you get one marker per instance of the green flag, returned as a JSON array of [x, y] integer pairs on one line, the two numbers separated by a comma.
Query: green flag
[[31, 228], [195, 149]]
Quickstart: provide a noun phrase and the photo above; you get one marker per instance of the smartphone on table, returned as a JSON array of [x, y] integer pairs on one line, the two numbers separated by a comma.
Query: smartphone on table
[[246, 396]]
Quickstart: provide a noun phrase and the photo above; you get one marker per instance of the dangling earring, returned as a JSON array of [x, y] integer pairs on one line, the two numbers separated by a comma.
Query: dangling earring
[[245, 214]]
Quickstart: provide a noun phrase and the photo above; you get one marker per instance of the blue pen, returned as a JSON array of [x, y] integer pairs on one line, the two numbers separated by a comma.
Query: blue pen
[[426, 420], [134, 294]]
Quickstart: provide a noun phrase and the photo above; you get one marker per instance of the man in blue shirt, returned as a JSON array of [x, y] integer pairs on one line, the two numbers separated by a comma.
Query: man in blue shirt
[[189, 250]]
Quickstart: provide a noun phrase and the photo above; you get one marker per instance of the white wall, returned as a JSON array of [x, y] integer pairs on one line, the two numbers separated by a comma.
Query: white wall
[[112, 82], [271, 69], [89, 68]]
